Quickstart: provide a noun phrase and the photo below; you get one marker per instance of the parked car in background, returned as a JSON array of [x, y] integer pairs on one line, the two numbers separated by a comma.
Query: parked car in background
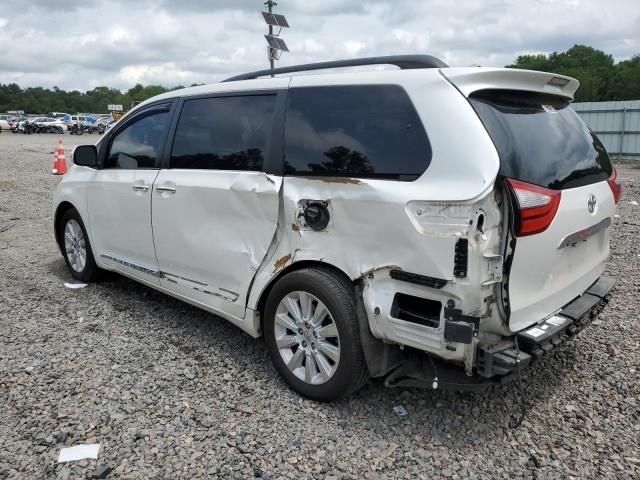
[[57, 115], [83, 120], [4, 122], [13, 123], [433, 226], [13, 120], [51, 125], [104, 123]]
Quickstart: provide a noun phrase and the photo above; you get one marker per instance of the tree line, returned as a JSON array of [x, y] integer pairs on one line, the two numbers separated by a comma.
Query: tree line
[[44, 100], [600, 79]]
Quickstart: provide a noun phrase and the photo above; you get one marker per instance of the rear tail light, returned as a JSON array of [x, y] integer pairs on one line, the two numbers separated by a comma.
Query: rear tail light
[[616, 186], [537, 207]]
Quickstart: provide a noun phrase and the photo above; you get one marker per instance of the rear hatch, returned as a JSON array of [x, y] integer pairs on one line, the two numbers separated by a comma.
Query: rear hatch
[[561, 188]]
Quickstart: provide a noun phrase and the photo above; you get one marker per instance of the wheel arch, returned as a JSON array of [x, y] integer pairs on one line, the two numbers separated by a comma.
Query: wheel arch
[[299, 265], [61, 209]]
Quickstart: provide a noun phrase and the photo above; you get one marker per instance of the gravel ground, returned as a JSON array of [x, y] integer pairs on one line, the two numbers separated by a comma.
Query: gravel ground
[[172, 392]]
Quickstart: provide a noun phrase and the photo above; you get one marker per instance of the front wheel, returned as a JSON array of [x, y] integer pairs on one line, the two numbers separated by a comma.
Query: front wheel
[[312, 332], [76, 248]]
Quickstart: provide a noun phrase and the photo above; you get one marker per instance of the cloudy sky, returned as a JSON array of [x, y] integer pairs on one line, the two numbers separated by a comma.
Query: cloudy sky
[[87, 43]]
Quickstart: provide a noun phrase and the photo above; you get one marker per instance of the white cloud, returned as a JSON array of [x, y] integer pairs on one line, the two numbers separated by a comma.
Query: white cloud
[[354, 47], [118, 43]]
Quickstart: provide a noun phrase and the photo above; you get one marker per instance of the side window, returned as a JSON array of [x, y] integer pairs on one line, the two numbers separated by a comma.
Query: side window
[[363, 131], [140, 144], [223, 133]]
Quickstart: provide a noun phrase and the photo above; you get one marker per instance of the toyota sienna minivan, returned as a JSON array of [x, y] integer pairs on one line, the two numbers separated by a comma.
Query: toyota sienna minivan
[[427, 225]]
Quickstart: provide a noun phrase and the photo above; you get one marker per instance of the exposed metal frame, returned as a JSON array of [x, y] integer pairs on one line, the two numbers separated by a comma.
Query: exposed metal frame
[[404, 62]]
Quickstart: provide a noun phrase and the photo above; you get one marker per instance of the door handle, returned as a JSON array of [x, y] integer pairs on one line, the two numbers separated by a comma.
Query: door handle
[[165, 189], [140, 188]]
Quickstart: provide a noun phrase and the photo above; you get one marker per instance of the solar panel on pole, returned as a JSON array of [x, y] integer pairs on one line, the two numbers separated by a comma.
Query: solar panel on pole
[[270, 18], [277, 43], [281, 21], [271, 40], [281, 44]]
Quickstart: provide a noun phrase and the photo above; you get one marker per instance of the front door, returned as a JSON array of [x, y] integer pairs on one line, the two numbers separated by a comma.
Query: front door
[[119, 197], [215, 209]]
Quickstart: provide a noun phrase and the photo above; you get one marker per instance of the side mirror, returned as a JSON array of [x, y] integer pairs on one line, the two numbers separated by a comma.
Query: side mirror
[[86, 155]]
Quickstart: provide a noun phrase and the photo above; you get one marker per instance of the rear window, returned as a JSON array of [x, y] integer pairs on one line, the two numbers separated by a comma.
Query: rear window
[[370, 131], [541, 140]]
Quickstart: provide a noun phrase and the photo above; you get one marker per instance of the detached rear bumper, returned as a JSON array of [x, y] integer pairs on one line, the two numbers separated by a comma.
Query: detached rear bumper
[[497, 363], [576, 316], [542, 338]]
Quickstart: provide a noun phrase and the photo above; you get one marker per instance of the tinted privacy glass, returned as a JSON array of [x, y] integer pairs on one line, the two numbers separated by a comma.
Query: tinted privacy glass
[[223, 133], [139, 145], [364, 131], [541, 140]]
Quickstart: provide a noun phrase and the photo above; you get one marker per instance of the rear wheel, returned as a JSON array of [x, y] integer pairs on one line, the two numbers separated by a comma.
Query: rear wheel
[[312, 332], [76, 248]]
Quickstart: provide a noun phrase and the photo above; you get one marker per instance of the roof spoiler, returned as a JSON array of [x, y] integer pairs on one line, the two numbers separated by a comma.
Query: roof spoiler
[[473, 79], [404, 62]]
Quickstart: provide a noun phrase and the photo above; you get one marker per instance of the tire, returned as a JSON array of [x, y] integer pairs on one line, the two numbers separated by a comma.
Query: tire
[[297, 347], [71, 223]]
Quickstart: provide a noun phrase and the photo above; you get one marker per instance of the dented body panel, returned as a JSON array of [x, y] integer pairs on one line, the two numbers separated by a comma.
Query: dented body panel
[[421, 237], [235, 211], [377, 226]]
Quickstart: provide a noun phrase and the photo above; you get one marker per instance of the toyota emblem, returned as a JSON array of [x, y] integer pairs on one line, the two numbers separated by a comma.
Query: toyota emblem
[[592, 203]]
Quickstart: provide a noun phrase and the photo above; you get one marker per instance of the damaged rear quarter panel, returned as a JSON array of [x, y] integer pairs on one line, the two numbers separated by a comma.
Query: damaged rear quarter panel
[[375, 225]]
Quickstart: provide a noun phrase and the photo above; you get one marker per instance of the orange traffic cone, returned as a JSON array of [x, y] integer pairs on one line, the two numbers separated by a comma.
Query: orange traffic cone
[[59, 162]]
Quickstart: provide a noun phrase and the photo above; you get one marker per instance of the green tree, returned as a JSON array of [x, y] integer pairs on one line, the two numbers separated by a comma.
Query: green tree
[[43, 100], [626, 83], [594, 69]]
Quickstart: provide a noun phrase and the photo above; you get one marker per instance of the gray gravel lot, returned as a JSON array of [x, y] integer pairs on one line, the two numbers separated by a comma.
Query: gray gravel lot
[[170, 391]]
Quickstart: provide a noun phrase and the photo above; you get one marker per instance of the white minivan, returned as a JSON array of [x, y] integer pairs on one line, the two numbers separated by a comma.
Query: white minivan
[[427, 225]]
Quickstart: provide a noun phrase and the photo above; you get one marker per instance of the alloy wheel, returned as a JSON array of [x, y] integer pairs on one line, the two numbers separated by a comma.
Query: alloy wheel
[[75, 245], [307, 337]]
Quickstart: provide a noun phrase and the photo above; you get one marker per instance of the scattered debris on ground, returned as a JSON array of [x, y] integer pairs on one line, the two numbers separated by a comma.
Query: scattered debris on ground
[[170, 391]]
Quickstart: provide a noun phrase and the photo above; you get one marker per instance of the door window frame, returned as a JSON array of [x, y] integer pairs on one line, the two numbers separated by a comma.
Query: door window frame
[[106, 142], [273, 157]]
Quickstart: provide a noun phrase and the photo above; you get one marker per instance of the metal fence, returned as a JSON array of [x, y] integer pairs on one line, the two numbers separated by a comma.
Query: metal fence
[[617, 124]]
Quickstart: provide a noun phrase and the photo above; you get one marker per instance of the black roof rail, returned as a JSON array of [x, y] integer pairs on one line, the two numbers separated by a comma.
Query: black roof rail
[[404, 62]]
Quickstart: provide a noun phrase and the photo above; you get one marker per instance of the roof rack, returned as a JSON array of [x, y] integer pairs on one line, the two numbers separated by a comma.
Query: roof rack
[[404, 62]]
